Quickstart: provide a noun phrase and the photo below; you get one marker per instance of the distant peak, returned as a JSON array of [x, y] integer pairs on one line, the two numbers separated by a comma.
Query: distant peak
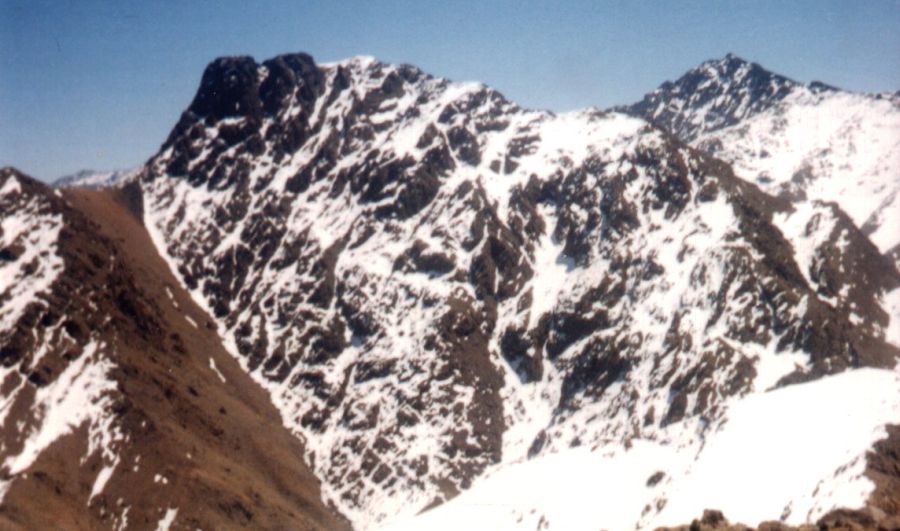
[[738, 72], [729, 61], [9, 170], [356, 60], [730, 66], [715, 94], [731, 57], [817, 87]]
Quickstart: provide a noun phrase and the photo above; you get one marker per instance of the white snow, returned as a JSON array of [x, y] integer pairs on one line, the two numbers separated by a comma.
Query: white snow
[[167, 520], [123, 520], [11, 186], [551, 268], [807, 228], [847, 145], [29, 225], [100, 482], [212, 365], [775, 457], [79, 394]]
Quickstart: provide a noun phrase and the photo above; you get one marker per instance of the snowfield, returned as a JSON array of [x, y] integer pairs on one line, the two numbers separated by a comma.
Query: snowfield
[[790, 454], [831, 147]]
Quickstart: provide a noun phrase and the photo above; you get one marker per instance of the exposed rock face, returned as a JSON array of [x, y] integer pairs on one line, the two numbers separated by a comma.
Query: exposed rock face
[[717, 94], [430, 280], [112, 416]]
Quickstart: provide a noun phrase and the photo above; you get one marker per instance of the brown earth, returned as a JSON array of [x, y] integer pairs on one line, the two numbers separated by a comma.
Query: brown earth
[[227, 460]]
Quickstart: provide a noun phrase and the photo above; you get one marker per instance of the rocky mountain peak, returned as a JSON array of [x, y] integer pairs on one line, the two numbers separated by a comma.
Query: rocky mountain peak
[[431, 281], [797, 141], [716, 94], [818, 87], [238, 87]]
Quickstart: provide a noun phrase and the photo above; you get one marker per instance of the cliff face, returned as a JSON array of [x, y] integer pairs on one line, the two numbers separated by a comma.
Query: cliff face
[[431, 281]]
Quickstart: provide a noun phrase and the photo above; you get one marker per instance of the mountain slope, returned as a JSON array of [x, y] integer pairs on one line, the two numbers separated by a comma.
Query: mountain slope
[[119, 408], [809, 143], [431, 281]]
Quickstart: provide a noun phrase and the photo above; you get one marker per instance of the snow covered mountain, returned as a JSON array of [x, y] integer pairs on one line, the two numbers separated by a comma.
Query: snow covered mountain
[[357, 288], [434, 284], [95, 179], [813, 144]]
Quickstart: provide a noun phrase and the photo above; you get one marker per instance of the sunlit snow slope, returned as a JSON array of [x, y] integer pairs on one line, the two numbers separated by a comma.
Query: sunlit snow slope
[[810, 143], [790, 454], [432, 282]]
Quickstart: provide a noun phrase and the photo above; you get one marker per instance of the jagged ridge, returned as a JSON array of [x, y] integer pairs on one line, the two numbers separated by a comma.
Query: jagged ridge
[[430, 280]]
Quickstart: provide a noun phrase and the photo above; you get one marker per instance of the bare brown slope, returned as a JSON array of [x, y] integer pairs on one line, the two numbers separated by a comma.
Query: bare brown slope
[[225, 457]]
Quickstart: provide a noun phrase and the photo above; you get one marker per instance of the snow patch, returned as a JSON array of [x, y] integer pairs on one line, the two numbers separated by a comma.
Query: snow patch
[[212, 365], [167, 520]]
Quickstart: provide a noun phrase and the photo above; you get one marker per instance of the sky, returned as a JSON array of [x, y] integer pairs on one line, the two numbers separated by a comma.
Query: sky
[[94, 84]]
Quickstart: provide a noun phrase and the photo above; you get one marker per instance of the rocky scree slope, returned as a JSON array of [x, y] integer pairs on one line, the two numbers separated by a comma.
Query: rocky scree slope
[[115, 411], [812, 144], [431, 281]]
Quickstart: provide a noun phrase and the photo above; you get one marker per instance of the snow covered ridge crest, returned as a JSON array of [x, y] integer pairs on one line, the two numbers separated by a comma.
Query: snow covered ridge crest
[[431, 281], [97, 179], [28, 241]]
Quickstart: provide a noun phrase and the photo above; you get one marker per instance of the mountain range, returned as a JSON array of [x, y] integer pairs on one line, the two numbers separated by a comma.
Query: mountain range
[[344, 294], [94, 178]]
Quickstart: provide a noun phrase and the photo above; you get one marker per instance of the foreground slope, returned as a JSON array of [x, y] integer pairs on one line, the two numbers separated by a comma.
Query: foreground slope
[[120, 408], [432, 282]]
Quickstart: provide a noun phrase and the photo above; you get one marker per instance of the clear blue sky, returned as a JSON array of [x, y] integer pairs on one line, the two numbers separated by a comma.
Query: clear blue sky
[[89, 84]]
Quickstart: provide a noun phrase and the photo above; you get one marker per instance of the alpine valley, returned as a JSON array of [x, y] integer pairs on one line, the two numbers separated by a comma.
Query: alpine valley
[[355, 295]]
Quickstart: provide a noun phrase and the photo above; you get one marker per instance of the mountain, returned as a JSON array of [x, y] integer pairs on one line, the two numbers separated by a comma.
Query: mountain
[[356, 294], [716, 94], [95, 179], [434, 283], [120, 408], [812, 144]]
